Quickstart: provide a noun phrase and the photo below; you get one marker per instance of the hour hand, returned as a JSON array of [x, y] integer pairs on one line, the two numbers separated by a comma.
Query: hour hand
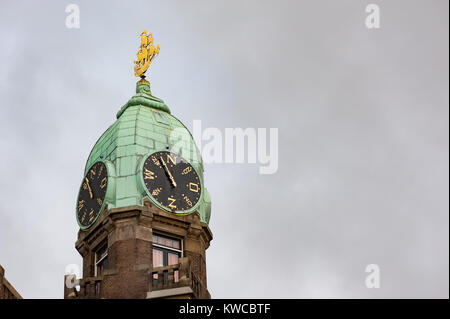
[[172, 180]]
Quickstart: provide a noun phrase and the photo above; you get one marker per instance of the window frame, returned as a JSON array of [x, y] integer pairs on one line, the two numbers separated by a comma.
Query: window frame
[[96, 254], [180, 251], [166, 250]]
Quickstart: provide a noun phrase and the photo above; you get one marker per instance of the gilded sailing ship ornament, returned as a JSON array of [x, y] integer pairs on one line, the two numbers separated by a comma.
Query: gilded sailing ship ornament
[[145, 55]]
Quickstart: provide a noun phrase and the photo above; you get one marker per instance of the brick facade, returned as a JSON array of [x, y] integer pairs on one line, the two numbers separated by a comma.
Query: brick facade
[[128, 232]]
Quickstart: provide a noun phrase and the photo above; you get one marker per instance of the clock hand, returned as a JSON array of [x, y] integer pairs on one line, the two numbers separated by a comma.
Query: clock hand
[[89, 187], [168, 173]]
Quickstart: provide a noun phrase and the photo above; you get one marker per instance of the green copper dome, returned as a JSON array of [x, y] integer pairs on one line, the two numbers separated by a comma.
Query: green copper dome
[[144, 125]]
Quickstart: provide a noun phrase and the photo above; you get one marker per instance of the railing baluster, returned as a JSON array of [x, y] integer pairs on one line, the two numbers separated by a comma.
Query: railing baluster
[[160, 279], [177, 275], [170, 276]]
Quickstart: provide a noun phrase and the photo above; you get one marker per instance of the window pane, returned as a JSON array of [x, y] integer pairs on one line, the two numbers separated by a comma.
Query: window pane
[[102, 252], [157, 258], [172, 259], [101, 266], [105, 263], [167, 242], [176, 244]]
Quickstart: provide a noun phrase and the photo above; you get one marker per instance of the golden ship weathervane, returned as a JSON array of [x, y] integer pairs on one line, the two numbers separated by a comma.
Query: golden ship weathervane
[[146, 54]]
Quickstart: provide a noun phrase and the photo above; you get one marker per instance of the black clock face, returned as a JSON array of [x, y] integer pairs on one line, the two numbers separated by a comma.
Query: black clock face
[[171, 181], [92, 194]]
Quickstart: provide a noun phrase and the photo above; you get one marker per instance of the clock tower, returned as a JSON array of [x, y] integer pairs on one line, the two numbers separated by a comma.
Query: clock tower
[[142, 207]]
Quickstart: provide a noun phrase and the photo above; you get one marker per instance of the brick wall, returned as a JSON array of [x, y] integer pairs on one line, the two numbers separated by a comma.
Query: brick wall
[[7, 291], [128, 232], [130, 259]]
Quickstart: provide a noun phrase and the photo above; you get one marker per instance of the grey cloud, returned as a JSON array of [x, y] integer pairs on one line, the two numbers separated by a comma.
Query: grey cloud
[[363, 137]]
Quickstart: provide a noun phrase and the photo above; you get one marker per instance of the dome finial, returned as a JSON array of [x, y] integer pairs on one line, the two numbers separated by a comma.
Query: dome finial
[[145, 55]]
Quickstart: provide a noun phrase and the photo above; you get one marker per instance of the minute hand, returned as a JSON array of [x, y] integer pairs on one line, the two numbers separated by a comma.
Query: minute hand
[[168, 173], [89, 187]]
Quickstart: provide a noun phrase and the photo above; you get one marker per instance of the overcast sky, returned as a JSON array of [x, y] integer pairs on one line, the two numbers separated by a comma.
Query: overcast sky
[[363, 136]]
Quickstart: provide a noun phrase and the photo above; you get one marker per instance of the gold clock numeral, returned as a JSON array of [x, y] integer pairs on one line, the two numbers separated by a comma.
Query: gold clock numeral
[[148, 174], [103, 183], [171, 205], [91, 215], [193, 187], [80, 204], [169, 158], [156, 191], [156, 161], [186, 170], [92, 173], [100, 201], [83, 217], [188, 201]]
